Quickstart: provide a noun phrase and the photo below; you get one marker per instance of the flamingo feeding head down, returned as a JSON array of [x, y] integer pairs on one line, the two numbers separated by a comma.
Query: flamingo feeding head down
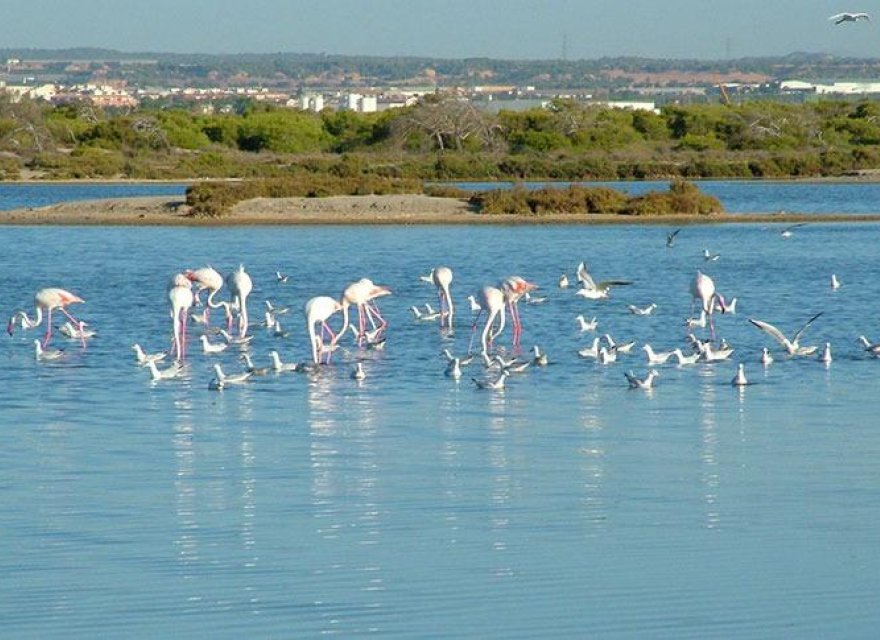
[[491, 301], [318, 310], [46, 300], [362, 294], [181, 297], [514, 288], [442, 278], [240, 287], [206, 278]]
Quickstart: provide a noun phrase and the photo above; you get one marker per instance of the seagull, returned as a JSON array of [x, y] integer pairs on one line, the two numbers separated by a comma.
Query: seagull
[[530, 299], [739, 380], [277, 311], [710, 257], [462, 361], [825, 356], [281, 278], [540, 359], [619, 347], [593, 351], [358, 373], [234, 340], [766, 358], [46, 354], [586, 326], [278, 366], [173, 371], [493, 385], [475, 306], [454, 369], [593, 290], [835, 283], [77, 333], [209, 348], [563, 281], [429, 279], [724, 306], [232, 378], [670, 238], [685, 360], [696, 322], [644, 311], [512, 366], [251, 369], [710, 354], [144, 358], [792, 346], [871, 347], [607, 356], [786, 233], [839, 18], [657, 358], [277, 331], [645, 383]]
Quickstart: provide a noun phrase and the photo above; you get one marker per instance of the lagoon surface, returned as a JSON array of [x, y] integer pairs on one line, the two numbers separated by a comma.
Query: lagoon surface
[[410, 505]]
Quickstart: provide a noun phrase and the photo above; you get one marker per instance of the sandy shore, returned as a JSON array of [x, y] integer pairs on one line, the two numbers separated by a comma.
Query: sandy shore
[[347, 210]]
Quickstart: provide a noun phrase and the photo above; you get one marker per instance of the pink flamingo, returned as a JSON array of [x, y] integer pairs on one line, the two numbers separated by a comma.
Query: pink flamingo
[[442, 277], [46, 300], [514, 288], [240, 286], [703, 289], [361, 294], [318, 310], [207, 278], [181, 296], [491, 301]]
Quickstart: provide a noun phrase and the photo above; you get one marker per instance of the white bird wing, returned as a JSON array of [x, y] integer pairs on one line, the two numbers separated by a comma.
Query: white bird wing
[[584, 277], [773, 331], [794, 226], [797, 336]]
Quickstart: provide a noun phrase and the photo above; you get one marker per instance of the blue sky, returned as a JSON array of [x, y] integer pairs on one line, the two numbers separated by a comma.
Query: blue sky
[[518, 29]]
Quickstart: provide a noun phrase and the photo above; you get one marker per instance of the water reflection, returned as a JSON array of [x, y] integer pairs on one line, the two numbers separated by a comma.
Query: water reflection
[[710, 476], [187, 539], [592, 458]]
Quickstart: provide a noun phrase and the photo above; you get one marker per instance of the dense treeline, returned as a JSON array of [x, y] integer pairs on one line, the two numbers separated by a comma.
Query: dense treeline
[[443, 138], [157, 69]]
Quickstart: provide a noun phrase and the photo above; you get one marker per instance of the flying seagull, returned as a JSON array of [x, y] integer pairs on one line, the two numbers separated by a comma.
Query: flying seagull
[[670, 238], [792, 346], [849, 17]]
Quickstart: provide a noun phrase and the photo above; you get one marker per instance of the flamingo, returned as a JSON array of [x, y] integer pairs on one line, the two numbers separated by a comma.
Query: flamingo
[[361, 294], [514, 288], [703, 289], [492, 300], [240, 286], [442, 277], [181, 296], [206, 278], [319, 309], [46, 300]]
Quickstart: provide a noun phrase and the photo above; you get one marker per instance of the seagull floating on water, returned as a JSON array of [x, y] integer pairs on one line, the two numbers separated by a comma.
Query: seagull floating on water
[[493, 385], [739, 380], [656, 358], [540, 359], [766, 358], [454, 369], [169, 373], [835, 283], [210, 348], [825, 356], [619, 347], [46, 354], [144, 358], [645, 383], [278, 366], [871, 347], [563, 281], [281, 278], [710, 257], [232, 378], [358, 373], [251, 369], [685, 360], [591, 351]]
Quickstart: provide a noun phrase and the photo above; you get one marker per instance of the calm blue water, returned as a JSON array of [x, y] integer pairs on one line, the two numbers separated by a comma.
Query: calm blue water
[[15, 195], [410, 505], [753, 196]]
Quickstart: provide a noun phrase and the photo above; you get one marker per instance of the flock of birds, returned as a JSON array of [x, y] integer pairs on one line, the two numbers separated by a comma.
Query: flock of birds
[[490, 310]]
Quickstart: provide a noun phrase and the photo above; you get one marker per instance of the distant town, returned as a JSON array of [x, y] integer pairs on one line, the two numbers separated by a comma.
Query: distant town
[[113, 80]]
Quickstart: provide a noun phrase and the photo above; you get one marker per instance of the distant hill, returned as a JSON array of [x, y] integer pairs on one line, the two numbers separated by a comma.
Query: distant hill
[[305, 69]]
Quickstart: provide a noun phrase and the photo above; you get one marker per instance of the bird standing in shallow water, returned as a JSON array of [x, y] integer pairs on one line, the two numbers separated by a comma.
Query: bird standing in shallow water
[[46, 301]]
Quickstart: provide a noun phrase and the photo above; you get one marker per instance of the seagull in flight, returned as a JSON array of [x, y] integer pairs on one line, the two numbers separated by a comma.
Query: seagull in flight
[[840, 18], [670, 238], [786, 233], [591, 289], [792, 346]]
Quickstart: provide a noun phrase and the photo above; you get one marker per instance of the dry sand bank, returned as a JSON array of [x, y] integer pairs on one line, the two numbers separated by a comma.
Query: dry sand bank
[[347, 210]]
